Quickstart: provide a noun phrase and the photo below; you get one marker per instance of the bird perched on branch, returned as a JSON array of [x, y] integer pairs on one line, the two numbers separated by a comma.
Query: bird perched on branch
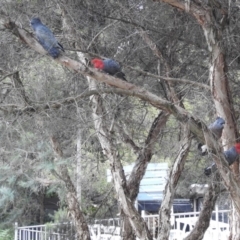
[[109, 66], [46, 38], [231, 155], [216, 128]]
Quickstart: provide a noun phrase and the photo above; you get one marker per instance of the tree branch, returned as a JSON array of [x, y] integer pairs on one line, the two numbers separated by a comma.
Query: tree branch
[[208, 205], [169, 79], [170, 188], [126, 138], [72, 201], [145, 155], [7, 75], [117, 172], [20, 88]]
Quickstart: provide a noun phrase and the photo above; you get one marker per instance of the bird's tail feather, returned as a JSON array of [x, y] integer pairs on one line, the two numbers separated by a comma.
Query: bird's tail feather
[[121, 75], [61, 46]]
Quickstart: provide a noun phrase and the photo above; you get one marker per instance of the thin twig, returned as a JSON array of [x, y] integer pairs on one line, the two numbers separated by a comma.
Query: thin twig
[[7, 75]]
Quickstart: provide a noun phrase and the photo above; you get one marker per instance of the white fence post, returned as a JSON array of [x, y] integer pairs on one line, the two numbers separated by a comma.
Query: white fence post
[[217, 219], [16, 231]]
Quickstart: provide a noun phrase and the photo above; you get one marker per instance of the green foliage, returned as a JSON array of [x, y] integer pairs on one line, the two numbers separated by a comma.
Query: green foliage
[[6, 234], [60, 216], [6, 195], [63, 226]]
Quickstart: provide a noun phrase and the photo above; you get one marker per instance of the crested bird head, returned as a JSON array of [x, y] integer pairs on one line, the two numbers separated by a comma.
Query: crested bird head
[[220, 121], [237, 146], [35, 21], [97, 63]]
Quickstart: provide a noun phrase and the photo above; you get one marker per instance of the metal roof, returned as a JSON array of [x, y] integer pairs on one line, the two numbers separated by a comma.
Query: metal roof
[[153, 182]]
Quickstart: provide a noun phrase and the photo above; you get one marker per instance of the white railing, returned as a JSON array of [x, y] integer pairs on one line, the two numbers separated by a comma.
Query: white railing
[[181, 225], [61, 231], [66, 231], [218, 228]]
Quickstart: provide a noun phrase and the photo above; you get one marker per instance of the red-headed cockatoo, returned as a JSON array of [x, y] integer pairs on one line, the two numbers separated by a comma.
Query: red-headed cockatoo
[[109, 66]]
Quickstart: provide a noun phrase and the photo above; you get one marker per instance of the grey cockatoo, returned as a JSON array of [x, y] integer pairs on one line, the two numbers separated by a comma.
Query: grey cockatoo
[[216, 128], [231, 155], [46, 38]]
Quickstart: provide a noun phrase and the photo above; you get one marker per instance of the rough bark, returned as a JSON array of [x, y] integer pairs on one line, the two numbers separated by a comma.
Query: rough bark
[[170, 189], [212, 29], [145, 154], [79, 165], [213, 26], [18, 85], [41, 210], [120, 184], [224, 107], [140, 166], [168, 86], [234, 224], [209, 201], [126, 230], [74, 209]]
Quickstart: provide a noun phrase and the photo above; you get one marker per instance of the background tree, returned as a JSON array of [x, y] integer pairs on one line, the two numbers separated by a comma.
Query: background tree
[[167, 68]]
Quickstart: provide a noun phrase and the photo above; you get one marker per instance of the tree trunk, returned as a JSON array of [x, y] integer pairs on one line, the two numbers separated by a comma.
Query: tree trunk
[[168, 87], [127, 232], [79, 165], [41, 210], [213, 30], [74, 209], [234, 225], [140, 166], [209, 201], [165, 210], [119, 179], [145, 155]]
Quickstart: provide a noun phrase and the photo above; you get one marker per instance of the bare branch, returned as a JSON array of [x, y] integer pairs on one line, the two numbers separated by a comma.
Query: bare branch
[[180, 80], [72, 201], [127, 139], [102, 30], [204, 218], [7, 75], [170, 188], [20, 88], [118, 175]]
